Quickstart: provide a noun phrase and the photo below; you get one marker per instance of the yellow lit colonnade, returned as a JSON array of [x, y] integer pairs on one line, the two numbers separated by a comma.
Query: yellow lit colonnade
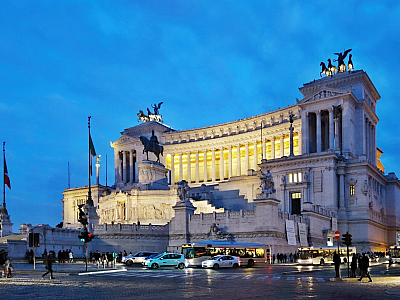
[[203, 162]]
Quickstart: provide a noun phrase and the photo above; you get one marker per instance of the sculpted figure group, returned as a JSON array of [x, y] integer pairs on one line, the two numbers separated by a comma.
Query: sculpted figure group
[[331, 70]]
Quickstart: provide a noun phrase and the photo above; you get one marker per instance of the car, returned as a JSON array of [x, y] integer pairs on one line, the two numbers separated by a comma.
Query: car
[[166, 260], [221, 261], [137, 258]]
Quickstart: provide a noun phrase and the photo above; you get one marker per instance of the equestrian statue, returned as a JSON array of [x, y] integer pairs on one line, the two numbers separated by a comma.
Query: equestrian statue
[[152, 145]]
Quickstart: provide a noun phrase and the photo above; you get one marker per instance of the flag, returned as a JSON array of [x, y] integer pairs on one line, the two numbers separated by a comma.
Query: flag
[[6, 178], [92, 153]]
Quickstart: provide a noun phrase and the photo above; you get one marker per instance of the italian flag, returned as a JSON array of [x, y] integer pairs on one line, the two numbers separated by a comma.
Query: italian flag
[[6, 178], [92, 153]]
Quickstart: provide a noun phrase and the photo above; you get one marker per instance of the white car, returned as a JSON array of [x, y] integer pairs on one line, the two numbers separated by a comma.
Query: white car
[[221, 261], [136, 258]]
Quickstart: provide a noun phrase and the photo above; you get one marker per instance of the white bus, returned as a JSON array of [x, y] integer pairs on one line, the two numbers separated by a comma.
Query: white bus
[[394, 253], [323, 255], [249, 253]]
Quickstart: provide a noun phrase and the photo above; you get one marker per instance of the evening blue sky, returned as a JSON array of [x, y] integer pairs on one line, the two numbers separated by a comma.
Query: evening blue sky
[[210, 62]]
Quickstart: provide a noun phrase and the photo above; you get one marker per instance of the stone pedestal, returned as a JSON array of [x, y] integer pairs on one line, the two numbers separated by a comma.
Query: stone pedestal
[[179, 225], [5, 223], [266, 212], [92, 216], [153, 175]]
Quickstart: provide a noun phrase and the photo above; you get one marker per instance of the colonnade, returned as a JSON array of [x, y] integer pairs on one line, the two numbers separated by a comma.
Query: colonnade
[[125, 166], [323, 128], [370, 140], [220, 163]]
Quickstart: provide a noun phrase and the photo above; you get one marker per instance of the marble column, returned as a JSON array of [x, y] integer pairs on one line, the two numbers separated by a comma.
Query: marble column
[[172, 168], [319, 135], [131, 166], [306, 134], [117, 166], [205, 165], [213, 171], [337, 142], [124, 168], [180, 167], [238, 163], [246, 157], [272, 147], [221, 163], [197, 167], [282, 141], [331, 129], [229, 161], [189, 168]]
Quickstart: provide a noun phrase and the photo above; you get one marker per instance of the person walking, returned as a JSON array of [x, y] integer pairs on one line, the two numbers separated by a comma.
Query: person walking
[[3, 258], [364, 268], [70, 256], [8, 268], [97, 258], [336, 261], [353, 265], [49, 264]]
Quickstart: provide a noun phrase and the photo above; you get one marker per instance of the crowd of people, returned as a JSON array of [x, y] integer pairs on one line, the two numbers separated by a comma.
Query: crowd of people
[[105, 259], [283, 258]]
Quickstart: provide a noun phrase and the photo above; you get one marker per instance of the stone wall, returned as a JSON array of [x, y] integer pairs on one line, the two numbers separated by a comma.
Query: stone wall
[[129, 237]]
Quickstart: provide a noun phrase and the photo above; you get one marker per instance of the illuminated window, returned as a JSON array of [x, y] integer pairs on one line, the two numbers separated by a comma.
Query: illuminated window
[[295, 202], [295, 177], [352, 190]]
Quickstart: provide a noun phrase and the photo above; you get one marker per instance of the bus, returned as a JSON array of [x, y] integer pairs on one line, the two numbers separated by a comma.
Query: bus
[[394, 254], [323, 255], [249, 253]]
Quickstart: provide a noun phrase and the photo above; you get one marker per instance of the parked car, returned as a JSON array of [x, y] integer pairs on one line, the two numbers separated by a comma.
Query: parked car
[[166, 260], [221, 261], [137, 258]]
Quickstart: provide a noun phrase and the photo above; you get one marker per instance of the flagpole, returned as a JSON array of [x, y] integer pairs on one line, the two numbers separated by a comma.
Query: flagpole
[[4, 179], [89, 200]]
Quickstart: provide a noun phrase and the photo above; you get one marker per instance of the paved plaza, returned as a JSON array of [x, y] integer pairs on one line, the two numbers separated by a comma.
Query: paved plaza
[[269, 281]]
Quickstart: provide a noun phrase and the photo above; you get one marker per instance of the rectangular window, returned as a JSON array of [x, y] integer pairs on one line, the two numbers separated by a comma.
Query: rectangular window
[[352, 190], [295, 177], [295, 202]]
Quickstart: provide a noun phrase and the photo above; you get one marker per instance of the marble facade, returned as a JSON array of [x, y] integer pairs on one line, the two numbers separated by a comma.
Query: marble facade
[[321, 152]]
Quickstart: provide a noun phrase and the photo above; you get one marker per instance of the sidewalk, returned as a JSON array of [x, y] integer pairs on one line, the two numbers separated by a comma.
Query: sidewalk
[[63, 269]]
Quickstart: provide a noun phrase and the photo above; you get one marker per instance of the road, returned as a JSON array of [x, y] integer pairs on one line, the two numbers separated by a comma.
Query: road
[[269, 282]]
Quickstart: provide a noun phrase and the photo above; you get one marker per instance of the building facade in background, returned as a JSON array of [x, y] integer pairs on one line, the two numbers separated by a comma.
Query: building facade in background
[[322, 154]]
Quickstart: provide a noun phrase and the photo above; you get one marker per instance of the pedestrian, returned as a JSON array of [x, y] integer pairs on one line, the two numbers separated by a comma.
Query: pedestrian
[[364, 268], [336, 261], [8, 268], [3, 258], [70, 256], [353, 265], [104, 260], [273, 258], [109, 258], [359, 260], [49, 264], [97, 257], [114, 256]]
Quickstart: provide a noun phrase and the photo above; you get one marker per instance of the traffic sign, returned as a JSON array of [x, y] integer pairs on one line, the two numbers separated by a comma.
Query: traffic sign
[[337, 235]]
